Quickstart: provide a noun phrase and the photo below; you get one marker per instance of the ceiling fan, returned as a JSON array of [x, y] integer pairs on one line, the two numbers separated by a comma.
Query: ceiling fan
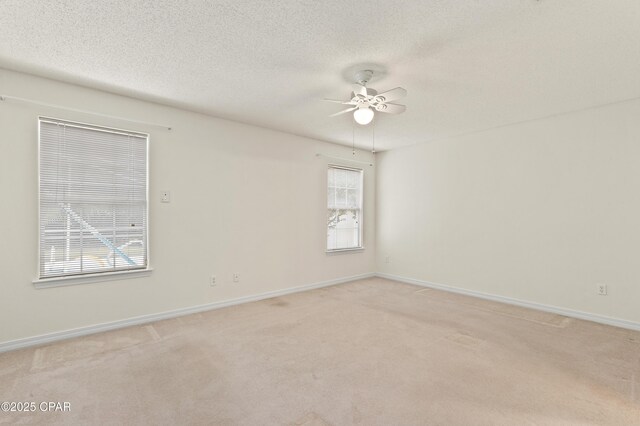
[[365, 101]]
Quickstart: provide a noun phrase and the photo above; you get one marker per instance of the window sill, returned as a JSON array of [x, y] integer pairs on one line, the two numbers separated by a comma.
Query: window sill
[[90, 278], [344, 250]]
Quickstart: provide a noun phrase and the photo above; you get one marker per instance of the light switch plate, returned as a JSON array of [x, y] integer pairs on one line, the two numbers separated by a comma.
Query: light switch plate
[[165, 196]]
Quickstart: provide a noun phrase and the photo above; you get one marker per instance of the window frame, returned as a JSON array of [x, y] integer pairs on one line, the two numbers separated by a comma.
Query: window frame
[[361, 246], [91, 277]]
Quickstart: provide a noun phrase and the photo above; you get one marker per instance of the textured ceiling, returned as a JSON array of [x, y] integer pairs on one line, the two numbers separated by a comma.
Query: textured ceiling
[[468, 65]]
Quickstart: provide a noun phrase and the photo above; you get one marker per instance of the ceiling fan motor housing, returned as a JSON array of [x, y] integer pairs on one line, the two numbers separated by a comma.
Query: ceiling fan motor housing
[[361, 98]]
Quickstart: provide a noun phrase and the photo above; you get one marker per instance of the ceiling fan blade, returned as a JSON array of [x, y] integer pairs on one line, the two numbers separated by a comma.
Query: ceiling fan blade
[[359, 89], [344, 111], [391, 95], [340, 102], [391, 108]]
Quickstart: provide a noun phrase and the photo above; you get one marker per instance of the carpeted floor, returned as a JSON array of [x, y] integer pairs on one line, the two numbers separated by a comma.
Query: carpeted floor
[[371, 352]]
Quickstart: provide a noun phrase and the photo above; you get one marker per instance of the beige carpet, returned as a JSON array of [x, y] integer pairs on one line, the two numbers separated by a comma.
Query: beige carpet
[[372, 352]]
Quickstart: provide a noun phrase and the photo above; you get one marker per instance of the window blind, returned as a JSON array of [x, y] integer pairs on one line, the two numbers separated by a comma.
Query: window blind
[[344, 203], [93, 199]]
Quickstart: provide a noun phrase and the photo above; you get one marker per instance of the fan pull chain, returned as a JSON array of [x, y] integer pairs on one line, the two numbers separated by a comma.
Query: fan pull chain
[[353, 138], [373, 138]]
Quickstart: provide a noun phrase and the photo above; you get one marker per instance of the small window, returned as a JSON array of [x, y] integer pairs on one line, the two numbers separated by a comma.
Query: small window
[[93, 199], [344, 202]]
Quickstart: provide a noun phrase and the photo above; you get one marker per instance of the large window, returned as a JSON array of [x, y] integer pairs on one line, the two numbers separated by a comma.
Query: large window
[[344, 202], [93, 199]]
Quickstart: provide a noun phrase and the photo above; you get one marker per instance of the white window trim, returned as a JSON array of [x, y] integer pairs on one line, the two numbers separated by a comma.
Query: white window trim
[[361, 228], [67, 280], [343, 250]]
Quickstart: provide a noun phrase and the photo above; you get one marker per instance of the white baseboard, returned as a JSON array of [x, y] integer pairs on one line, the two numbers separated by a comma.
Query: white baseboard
[[97, 328], [616, 322]]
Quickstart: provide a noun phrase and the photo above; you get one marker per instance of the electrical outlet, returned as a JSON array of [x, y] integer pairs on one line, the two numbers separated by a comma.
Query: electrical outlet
[[212, 281], [165, 196], [236, 277], [387, 259], [601, 289]]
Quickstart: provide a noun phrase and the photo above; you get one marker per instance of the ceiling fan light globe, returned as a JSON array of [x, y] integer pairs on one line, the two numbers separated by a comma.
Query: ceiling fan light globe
[[363, 116]]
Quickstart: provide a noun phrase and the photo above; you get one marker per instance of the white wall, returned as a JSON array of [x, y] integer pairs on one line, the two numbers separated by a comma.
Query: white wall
[[538, 211], [244, 199]]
